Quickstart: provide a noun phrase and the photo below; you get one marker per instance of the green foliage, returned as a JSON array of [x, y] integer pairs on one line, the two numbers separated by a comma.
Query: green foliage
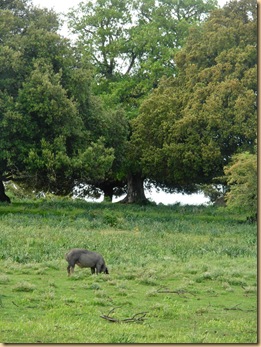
[[192, 124], [43, 99], [191, 268], [131, 44], [51, 125], [92, 163], [55, 132], [241, 177]]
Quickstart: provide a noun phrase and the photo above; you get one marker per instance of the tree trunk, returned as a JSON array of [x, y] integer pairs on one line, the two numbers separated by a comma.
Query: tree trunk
[[135, 194], [108, 192], [111, 187], [3, 196]]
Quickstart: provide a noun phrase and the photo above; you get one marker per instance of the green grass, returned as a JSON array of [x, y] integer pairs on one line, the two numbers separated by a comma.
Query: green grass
[[192, 269]]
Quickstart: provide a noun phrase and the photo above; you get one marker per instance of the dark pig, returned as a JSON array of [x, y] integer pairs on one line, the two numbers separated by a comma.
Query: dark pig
[[85, 258]]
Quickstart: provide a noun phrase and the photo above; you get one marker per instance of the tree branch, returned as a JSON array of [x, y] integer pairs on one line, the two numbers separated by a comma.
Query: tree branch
[[178, 291], [136, 318], [236, 308], [133, 57]]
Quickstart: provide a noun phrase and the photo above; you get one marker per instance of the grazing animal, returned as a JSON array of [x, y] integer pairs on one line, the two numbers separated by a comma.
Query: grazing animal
[[85, 258]]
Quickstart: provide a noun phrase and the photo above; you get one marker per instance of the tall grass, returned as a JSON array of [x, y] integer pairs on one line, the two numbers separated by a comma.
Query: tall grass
[[192, 269]]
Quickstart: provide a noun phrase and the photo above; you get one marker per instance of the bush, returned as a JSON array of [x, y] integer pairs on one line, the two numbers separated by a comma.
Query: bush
[[242, 180]]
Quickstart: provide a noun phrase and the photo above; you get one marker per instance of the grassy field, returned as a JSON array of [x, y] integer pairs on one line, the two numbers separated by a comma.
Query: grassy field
[[179, 274]]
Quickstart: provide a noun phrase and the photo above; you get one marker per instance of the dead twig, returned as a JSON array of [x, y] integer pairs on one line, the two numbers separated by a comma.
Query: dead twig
[[236, 308], [233, 308], [178, 291], [136, 318]]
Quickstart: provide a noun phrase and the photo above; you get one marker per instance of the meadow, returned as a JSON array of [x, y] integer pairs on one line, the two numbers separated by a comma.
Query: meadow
[[178, 274]]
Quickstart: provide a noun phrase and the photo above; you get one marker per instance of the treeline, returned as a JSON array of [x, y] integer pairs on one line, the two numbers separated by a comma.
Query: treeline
[[157, 91]]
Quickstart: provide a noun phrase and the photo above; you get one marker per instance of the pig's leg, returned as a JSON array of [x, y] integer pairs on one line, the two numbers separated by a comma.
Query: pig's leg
[[70, 269]]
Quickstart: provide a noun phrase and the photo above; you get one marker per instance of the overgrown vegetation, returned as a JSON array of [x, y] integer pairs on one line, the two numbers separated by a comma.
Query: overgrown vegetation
[[242, 179], [189, 271], [161, 91]]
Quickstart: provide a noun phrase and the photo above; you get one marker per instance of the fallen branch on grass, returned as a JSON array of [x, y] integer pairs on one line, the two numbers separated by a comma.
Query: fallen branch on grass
[[136, 318], [178, 291], [235, 308]]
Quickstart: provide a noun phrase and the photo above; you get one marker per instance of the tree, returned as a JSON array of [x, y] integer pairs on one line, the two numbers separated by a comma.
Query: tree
[[116, 131], [51, 125], [241, 176], [131, 45], [58, 153], [193, 123], [3, 196]]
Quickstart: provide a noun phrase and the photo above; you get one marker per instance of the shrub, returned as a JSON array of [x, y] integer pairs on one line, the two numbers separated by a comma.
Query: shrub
[[242, 179]]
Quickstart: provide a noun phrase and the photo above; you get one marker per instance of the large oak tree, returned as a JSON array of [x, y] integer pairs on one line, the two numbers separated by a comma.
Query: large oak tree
[[51, 125], [193, 123], [131, 45]]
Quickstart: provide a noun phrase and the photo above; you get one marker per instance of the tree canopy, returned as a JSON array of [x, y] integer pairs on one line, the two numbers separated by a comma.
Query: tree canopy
[[131, 46], [192, 124], [158, 90], [51, 125]]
